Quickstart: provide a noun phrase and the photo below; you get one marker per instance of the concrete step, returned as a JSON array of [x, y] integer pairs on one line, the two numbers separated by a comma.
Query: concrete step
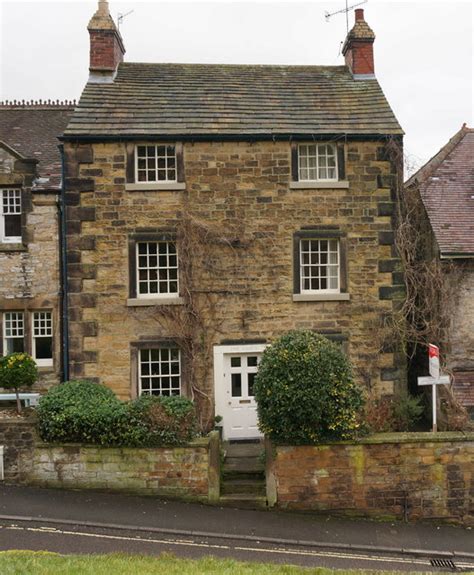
[[240, 486], [243, 501], [244, 464]]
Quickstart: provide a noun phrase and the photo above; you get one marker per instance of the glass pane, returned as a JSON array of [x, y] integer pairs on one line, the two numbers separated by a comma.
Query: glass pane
[[236, 384], [235, 361], [252, 361], [251, 377], [15, 345], [12, 226], [44, 347], [141, 150]]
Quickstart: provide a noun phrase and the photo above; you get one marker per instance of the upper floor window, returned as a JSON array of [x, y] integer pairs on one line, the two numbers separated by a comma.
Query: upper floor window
[[157, 269], [319, 265], [154, 164], [317, 162], [10, 216], [13, 332]]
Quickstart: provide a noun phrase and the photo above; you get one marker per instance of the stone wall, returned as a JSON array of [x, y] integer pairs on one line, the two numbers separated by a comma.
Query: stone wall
[[235, 222], [173, 472], [18, 438], [410, 476]]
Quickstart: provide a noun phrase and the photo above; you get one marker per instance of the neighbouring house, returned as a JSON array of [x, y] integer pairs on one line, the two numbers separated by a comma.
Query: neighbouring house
[[30, 183], [211, 208], [445, 186]]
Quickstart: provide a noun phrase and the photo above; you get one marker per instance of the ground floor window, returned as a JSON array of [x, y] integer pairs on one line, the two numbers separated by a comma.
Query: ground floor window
[[13, 332], [159, 371], [42, 338]]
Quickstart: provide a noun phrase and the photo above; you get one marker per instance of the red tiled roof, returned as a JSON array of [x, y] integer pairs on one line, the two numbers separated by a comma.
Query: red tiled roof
[[446, 185], [33, 132]]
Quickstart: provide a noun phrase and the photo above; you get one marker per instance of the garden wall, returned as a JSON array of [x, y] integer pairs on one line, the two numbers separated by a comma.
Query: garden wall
[[18, 438], [174, 471], [410, 476]]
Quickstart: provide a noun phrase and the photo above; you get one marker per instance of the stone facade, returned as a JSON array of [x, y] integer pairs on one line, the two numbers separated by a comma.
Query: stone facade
[[234, 222], [29, 279], [415, 476]]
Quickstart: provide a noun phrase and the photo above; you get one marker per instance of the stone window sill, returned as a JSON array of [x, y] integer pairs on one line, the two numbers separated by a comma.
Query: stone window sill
[[321, 297], [12, 247], [155, 187], [319, 185], [141, 302]]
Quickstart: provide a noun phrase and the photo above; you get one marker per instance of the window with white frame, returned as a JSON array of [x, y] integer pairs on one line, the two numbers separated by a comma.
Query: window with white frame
[[13, 332], [159, 371], [155, 164], [319, 265], [317, 162], [42, 337], [10, 216], [157, 269]]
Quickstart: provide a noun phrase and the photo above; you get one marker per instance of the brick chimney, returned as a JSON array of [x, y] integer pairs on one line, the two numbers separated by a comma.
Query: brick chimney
[[107, 47], [358, 48]]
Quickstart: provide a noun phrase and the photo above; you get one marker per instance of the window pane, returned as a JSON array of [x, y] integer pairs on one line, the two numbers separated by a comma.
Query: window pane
[[15, 345], [236, 384], [44, 348], [251, 382], [252, 361], [12, 226], [235, 361]]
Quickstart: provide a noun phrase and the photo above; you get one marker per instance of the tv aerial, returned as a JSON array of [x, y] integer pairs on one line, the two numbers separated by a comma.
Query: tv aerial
[[121, 17], [346, 10]]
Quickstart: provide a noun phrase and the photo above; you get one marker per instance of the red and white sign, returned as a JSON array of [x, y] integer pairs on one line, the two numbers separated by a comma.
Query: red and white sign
[[433, 354]]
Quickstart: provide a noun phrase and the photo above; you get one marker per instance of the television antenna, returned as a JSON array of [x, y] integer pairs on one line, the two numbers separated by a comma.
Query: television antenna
[[345, 10], [121, 17]]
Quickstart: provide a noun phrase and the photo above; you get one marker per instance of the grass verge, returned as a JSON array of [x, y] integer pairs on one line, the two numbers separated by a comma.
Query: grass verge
[[45, 563]]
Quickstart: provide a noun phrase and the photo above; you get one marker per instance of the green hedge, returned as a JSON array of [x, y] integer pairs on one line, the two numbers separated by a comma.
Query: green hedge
[[87, 412], [305, 391]]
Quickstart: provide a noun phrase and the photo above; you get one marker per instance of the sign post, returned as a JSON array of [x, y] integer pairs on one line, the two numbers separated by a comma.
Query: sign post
[[434, 379]]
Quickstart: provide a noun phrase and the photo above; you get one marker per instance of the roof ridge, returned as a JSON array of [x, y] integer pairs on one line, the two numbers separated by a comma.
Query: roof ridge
[[229, 65], [39, 104], [435, 161]]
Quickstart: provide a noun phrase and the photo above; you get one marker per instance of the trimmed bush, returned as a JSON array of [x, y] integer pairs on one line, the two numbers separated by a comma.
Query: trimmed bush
[[87, 412], [305, 391], [160, 420], [17, 371], [81, 412]]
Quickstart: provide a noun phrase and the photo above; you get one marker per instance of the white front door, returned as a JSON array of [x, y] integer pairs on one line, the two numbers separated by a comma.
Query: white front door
[[235, 368]]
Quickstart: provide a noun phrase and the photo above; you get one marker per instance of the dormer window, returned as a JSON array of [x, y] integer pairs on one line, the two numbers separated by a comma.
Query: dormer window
[[317, 163], [154, 164], [10, 216]]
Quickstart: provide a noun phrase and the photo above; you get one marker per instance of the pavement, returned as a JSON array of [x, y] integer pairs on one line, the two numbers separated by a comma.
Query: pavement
[[151, 514]]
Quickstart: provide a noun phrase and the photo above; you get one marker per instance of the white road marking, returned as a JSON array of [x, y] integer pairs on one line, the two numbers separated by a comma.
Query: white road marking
[[187, 543]]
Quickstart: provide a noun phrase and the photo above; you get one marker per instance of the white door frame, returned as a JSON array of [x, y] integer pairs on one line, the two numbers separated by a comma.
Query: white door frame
[[220, 388]]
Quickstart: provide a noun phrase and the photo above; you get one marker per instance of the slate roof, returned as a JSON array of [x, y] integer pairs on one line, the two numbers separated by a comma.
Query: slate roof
[[33, 132], [446, 185], [199, 100]]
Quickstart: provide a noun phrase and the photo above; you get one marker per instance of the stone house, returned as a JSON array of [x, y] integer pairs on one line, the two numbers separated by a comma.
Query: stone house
[[30, 184], [211, 208], [445, 188]]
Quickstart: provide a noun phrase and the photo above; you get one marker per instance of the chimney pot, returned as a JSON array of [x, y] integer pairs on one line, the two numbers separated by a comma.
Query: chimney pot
[[359, 14]]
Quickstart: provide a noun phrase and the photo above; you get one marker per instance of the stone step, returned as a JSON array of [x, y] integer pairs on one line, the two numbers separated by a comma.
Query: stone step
[[248, 476], [240, 486], [243, 501], [243, 464], [243, 449]]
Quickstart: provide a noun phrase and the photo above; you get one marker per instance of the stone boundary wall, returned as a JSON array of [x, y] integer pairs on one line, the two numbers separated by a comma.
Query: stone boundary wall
[[18, 437], [405, 476], [167, 471]]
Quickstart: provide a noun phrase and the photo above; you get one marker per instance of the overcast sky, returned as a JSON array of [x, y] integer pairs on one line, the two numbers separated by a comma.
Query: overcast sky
[[423, 50]]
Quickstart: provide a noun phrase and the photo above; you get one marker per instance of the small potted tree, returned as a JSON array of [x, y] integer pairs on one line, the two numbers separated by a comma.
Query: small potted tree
[[17, 371]]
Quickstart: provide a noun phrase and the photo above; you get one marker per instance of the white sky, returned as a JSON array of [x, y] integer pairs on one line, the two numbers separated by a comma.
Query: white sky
[[423, 50]]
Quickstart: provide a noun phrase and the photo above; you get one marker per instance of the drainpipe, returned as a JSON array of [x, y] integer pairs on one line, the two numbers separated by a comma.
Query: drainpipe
[[63, 274]]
